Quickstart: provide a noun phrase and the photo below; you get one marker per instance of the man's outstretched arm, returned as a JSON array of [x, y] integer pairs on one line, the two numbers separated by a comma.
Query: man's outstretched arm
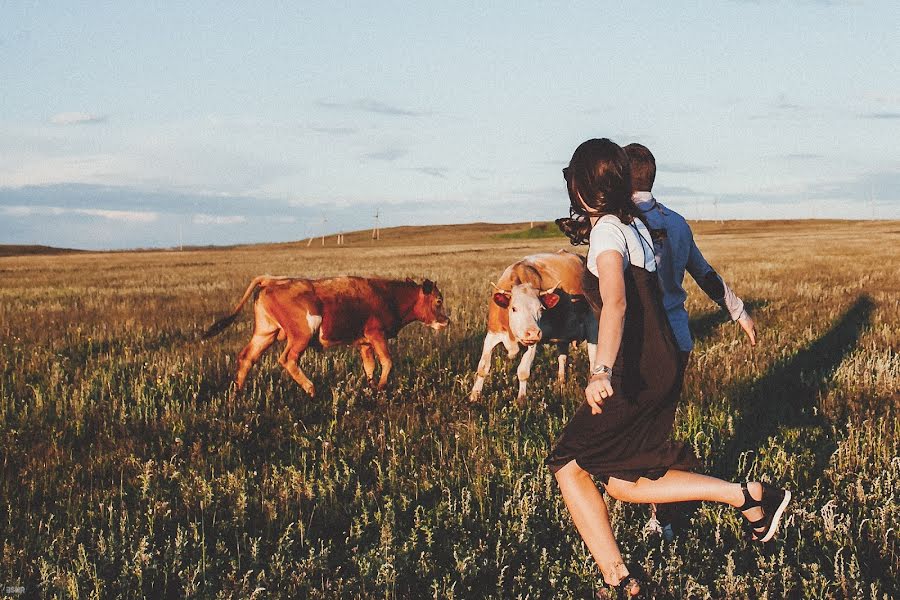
[[715, 287]]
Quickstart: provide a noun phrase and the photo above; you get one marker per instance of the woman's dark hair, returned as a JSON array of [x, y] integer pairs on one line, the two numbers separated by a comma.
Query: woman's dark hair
[[598, 179]]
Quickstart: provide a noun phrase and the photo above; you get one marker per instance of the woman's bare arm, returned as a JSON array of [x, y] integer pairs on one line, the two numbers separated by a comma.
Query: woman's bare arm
[[612, 321]]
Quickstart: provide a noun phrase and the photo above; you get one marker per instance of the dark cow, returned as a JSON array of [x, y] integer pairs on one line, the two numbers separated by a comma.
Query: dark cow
[[330, 312], [537, 299]]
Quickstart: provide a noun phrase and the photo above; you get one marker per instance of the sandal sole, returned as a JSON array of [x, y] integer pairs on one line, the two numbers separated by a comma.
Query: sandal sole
[[776, 518]]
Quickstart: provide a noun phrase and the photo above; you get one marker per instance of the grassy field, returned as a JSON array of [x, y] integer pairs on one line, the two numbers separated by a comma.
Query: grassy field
[[131, 469]]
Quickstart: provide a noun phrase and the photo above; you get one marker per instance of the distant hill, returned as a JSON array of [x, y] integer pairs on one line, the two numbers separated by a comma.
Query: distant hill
[[32, 250], [491, 233], [415, 235]]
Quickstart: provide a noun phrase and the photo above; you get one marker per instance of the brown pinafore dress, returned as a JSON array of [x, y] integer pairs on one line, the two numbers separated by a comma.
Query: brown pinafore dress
[[632, 437]]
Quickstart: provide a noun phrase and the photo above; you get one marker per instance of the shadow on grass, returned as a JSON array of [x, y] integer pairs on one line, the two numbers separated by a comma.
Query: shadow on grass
[[785, 402], [705, 325], [787, 395]]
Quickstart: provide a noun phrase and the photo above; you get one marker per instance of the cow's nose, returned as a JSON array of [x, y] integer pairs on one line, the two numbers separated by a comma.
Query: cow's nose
[[533, 335]]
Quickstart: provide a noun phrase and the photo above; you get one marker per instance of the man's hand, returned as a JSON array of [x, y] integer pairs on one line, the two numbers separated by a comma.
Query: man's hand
[[597, 391], [747, 325]]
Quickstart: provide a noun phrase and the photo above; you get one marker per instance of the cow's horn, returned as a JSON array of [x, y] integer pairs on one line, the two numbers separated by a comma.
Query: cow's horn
[[502, 291], [553, 289]]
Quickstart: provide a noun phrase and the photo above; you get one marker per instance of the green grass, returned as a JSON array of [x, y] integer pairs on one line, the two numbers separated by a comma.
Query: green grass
[[131, 469], [538, 231]]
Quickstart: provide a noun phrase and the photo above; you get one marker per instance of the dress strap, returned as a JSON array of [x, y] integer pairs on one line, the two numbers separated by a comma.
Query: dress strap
[[644, 241]]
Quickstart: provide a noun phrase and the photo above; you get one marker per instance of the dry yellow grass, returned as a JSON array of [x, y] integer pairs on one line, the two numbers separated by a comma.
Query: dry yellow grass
[[130, 469]]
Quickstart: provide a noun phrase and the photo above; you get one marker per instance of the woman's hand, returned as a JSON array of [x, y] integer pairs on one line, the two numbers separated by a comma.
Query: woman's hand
[[597, 391]]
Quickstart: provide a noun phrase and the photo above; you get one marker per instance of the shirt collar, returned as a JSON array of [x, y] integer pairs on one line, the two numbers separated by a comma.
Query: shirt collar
[[643, 200]]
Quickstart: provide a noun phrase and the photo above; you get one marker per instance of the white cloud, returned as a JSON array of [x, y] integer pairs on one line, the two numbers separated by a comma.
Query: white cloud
[[372, 106], [93, 168], [32, 211], [202, 219], [76, 118], [127, 216]]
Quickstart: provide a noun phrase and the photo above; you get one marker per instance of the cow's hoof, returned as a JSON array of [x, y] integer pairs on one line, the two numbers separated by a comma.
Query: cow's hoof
[[520, 401], [474, 396], [310, 390]]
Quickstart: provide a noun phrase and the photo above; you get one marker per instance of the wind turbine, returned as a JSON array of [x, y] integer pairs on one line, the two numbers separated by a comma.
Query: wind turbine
[[312, 236]]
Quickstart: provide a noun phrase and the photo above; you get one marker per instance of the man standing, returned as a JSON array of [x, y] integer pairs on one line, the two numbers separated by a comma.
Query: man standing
[[676, 253]]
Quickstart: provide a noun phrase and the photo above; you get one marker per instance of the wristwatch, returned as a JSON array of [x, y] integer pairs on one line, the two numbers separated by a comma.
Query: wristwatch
[[601, 369]]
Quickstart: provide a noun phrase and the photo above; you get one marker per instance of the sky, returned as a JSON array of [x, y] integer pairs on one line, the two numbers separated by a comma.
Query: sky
[[126, 125]]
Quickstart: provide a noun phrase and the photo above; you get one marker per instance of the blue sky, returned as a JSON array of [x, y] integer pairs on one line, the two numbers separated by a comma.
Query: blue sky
[[134, 125]]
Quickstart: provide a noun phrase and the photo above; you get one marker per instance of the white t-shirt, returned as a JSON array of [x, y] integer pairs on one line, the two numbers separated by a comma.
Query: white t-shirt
[[611, 234]]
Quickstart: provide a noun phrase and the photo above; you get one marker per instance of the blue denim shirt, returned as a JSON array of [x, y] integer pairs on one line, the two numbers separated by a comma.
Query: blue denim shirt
[[676, 254]]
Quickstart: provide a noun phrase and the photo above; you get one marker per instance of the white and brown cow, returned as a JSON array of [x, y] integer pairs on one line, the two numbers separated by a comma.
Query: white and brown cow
[[538, 299], [364, 312]]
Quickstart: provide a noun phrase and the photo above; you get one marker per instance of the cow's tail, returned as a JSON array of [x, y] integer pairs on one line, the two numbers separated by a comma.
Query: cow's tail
[[223, 323]]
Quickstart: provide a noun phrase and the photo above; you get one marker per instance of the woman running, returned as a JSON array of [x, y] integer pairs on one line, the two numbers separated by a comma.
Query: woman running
[[622, 434]]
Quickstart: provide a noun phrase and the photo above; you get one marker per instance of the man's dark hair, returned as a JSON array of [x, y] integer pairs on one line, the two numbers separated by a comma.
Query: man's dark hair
[[643, 167]]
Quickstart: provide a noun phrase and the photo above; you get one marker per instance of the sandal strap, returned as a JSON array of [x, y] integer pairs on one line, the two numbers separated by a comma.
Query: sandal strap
[[764, 521], [749, 501], [626, 585]]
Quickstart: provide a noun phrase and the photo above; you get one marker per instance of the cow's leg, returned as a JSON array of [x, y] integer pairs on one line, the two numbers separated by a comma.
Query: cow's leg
[[265, 330], [368, 358], [289, 358], [250, 354], [299, 332], [484, 364], [512, 346], [563, 348], [524, 372], [379, 344], [258, 344]]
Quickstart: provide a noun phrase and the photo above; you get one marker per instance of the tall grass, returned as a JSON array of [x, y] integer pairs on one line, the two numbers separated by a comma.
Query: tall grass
[[130, 468]]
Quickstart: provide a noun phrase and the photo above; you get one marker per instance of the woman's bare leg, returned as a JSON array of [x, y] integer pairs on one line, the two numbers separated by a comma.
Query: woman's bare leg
[[680, 486], [591, 517]]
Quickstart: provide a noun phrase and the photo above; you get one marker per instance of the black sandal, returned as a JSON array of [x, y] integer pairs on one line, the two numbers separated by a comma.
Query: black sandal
[[773, 502]]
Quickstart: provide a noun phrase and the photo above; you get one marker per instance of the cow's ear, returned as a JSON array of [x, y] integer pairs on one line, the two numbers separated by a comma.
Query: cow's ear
[[427, 286], [501, 300], [549, 300]]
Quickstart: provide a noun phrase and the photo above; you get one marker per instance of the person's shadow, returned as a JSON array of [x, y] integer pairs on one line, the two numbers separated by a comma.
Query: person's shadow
[[786, 396]]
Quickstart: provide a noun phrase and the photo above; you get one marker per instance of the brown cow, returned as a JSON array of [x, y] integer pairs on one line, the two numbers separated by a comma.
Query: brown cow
[[538, 299], [330, 312]]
